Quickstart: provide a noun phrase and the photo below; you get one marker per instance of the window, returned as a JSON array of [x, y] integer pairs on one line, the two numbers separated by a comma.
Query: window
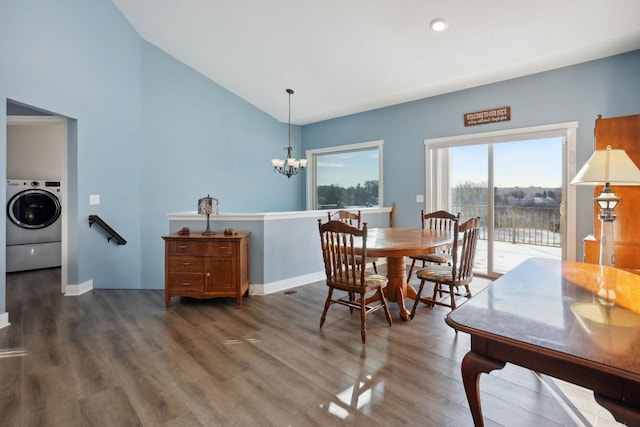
[[347, 176]]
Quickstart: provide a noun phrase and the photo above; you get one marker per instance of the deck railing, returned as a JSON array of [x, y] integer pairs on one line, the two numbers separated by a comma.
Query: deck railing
[[518, 224]]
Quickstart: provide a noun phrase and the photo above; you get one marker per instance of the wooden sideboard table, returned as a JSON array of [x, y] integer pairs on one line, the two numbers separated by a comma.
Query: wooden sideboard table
[[209, 266], [574, 321]]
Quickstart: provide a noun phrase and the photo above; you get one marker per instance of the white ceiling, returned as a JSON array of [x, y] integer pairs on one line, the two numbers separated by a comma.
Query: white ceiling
[[348, 56]]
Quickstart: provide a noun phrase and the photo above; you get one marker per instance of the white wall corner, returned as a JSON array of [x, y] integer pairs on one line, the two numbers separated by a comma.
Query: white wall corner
[[4, 320], [76, 290]]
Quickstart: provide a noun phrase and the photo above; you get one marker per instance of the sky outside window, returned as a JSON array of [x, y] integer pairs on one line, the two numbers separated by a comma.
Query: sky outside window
[[348, 169]]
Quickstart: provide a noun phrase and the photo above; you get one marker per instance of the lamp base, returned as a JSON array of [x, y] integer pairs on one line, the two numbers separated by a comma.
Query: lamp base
[[607, 253], [208, 231]]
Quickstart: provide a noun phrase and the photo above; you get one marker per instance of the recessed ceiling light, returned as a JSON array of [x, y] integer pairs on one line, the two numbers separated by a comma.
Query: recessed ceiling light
[[439, 24]]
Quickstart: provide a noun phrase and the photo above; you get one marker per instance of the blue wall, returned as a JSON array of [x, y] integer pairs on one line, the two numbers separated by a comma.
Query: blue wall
[[147, 133], [610, 87], [81, 60], [198, 139], [151, 135]]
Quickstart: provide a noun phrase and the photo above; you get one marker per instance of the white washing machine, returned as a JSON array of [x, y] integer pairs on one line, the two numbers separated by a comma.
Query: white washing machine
[[34, 224]]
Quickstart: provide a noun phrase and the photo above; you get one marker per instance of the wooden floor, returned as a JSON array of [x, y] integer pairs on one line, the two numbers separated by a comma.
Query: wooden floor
[[119, 358]]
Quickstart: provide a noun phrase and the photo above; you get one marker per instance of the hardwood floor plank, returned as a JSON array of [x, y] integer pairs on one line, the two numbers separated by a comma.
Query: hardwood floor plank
[[108, 408], [92, 368], [120, 358], [143, 384], [43, 351], [51, 397], [11, 386]]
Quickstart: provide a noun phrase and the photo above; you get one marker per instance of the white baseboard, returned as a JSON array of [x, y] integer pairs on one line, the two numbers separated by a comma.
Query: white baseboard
[[76, 290], [282, 285], [293, 282], [4, 320]]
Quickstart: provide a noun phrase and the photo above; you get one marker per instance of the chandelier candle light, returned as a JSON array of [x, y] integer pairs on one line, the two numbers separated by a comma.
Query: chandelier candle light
[[608, 167], [289, 166], [207, 206]]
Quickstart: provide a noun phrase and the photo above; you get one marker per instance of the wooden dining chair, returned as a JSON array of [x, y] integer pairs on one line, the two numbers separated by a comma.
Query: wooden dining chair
[[353, 219], [339, 243], [459, 273], [438, 220]]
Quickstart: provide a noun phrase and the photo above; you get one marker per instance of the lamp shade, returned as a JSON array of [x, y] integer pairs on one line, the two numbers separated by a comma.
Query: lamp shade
[[208, 205], [611, 166]]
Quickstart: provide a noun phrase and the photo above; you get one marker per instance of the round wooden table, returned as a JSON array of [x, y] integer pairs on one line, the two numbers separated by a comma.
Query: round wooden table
[[395, 244]]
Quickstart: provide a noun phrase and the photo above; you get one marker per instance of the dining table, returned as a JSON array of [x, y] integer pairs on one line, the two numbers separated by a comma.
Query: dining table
[[396, 243], [574, 321]]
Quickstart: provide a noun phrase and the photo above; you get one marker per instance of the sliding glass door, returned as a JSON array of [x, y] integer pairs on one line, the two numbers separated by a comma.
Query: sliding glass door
[[516, 185]]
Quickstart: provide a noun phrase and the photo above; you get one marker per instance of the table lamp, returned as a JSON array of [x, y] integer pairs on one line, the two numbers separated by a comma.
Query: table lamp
[[608, 167], [207, 206]]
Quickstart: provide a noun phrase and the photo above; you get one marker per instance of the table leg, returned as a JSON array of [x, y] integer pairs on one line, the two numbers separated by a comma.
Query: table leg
[[624, 414], [473, 365], [397, 289]]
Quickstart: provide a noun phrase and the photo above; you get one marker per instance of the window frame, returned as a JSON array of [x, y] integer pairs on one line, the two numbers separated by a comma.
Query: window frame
[[312, 157]]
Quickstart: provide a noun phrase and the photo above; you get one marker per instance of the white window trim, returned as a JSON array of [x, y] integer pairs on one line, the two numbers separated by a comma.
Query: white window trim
[[311, 156], [567, 130]]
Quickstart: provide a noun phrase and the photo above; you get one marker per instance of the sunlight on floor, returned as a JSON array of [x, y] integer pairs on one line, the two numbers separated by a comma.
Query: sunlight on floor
[[13, 352]]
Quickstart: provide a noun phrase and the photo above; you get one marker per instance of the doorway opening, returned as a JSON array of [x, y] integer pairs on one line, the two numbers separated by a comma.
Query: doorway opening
[[37, 177]]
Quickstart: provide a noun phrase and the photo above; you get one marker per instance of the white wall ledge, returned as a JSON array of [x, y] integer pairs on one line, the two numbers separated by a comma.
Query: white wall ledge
[[264, 216]]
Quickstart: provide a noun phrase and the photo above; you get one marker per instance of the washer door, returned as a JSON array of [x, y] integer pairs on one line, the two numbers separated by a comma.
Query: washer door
[[33, 209]]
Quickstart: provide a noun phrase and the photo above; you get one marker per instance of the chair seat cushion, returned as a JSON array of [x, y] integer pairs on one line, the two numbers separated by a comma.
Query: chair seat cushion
[[371, 281], [436, 273], [375, 280], [438, 258]]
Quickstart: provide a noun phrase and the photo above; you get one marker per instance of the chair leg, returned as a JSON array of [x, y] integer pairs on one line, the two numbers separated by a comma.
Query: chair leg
[[363, 318], [352, 298], [413, 262], [437, 287], [417, 301], [440, 291], [453, 296], [385, 306], [326, 307]]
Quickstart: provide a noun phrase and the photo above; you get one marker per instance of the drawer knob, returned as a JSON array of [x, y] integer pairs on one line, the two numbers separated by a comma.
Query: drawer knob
[[186, 284], [182, 246], [208, 274], [186, 264]]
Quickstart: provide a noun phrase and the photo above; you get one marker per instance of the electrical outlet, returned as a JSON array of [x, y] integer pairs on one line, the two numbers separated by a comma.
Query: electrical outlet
[[419, 198], [94, 199]]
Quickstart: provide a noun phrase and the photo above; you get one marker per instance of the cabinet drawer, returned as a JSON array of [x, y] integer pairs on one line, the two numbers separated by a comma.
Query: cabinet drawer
[[186, 283], [186, 264], [202, 248]]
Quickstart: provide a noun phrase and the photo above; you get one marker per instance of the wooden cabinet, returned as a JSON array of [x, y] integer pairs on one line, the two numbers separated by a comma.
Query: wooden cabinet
[[206, 266], [619, 132]]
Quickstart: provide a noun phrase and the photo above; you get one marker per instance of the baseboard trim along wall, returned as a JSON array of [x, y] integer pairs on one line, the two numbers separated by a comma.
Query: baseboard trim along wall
[[76, 290], [4, 320], [283, 285]]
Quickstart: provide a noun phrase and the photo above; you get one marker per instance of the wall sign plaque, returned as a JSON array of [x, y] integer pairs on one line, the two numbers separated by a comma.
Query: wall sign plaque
[[501, 114]]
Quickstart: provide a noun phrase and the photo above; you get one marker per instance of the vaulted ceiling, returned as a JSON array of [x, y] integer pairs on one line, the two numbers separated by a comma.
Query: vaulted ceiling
[[348, 56]]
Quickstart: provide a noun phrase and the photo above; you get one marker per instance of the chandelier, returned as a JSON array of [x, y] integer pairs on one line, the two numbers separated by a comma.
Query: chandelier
[[289, 166]]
